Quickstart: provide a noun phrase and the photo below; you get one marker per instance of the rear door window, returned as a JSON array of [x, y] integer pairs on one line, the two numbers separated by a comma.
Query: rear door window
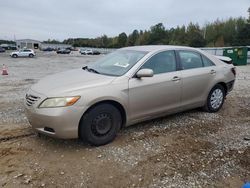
[[207, 62], [190, 60]]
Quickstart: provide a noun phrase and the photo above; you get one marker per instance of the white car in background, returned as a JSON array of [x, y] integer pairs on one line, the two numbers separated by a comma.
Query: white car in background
[[86, 52], [23, 53]]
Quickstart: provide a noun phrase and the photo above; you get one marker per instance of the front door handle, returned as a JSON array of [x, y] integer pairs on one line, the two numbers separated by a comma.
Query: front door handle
[[176, 78], [212, 72]]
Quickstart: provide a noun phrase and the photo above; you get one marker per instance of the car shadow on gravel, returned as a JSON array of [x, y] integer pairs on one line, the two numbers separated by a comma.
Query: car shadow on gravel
[[162, 124]]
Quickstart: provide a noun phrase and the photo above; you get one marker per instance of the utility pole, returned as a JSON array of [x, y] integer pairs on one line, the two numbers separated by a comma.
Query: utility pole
[[205, 32], [248, 15]]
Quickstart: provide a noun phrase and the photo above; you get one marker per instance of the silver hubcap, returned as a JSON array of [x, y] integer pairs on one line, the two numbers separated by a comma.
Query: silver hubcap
[[216, 98]]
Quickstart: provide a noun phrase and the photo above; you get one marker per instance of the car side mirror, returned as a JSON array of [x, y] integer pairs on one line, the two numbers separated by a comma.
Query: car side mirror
[[145, 73]]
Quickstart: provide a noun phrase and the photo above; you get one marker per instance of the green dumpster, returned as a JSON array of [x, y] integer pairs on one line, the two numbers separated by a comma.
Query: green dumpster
[[237, 54]]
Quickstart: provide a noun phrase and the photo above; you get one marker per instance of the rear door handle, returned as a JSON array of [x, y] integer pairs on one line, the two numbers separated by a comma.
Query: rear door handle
[[176, 78], [212, 72]]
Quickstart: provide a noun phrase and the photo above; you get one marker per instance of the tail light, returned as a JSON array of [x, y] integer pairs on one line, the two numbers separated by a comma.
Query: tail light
[[233, 71]]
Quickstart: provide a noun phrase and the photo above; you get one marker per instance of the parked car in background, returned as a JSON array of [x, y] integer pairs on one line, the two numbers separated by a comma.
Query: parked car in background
[[13, 48], [86, 52], [8, 46], [225, 59], [23, 53], [96, 52], [2, 50], [89, 52], [49, 49], [73, 49], [63, 51], [127, 86]]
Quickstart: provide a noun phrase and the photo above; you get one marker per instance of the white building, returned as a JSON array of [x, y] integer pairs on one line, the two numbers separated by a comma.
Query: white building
[[35, 44], [28, 43]]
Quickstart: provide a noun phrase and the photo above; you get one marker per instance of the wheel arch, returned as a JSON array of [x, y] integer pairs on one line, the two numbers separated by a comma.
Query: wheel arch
[[206, 106], [224, 85], [116, 104]]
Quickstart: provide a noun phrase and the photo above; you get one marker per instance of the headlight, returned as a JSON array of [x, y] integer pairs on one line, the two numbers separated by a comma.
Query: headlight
[[59, 102]]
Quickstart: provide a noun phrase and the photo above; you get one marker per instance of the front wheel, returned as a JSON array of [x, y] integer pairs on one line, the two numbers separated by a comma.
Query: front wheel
[[31, 55], [100, 124], [14, 55], [215, 99]]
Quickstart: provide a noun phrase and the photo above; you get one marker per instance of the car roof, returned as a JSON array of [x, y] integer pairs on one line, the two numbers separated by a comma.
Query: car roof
[[156, 48], [151, 48]]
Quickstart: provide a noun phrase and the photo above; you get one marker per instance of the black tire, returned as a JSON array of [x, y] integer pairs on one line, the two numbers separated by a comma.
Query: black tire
[[31, 55], [209, 107], [100, 124], [14, 55]]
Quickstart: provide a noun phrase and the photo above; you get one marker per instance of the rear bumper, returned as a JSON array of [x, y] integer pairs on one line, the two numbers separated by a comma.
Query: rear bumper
[[230, 85]]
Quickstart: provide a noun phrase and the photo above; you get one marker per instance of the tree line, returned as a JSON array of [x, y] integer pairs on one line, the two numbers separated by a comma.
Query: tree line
[[220, 33]]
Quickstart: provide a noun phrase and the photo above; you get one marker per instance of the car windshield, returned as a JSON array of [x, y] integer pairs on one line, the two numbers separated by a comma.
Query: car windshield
[[118, 62]]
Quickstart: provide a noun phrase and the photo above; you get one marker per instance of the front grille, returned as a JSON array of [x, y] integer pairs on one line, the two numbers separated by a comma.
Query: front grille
[[31, 99]]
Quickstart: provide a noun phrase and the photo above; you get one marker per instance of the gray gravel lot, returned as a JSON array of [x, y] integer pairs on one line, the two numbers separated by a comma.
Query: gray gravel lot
[[189, 149]]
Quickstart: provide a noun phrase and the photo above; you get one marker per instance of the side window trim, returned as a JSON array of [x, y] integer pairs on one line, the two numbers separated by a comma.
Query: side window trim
[[179, 58], [176, 61], [204, 57]]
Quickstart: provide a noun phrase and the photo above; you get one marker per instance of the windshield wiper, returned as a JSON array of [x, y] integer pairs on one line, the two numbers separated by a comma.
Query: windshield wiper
[[90, 69]]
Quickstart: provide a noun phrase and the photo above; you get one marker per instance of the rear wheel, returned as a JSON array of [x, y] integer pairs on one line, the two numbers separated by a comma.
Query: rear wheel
[[100, 124], [215, 99], [31, 55]]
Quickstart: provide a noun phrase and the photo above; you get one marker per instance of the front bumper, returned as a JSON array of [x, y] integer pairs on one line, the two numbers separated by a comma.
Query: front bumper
[[56, 122], [61, 122]]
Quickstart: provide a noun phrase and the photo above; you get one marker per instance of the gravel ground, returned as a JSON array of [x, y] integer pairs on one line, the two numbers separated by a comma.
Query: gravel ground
[[189, 149]]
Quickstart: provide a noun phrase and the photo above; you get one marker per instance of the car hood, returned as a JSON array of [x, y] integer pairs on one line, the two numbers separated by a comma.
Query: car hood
[[70, 82]]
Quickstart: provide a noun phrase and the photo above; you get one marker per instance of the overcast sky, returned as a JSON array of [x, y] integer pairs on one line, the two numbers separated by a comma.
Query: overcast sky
[[58, 19]]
